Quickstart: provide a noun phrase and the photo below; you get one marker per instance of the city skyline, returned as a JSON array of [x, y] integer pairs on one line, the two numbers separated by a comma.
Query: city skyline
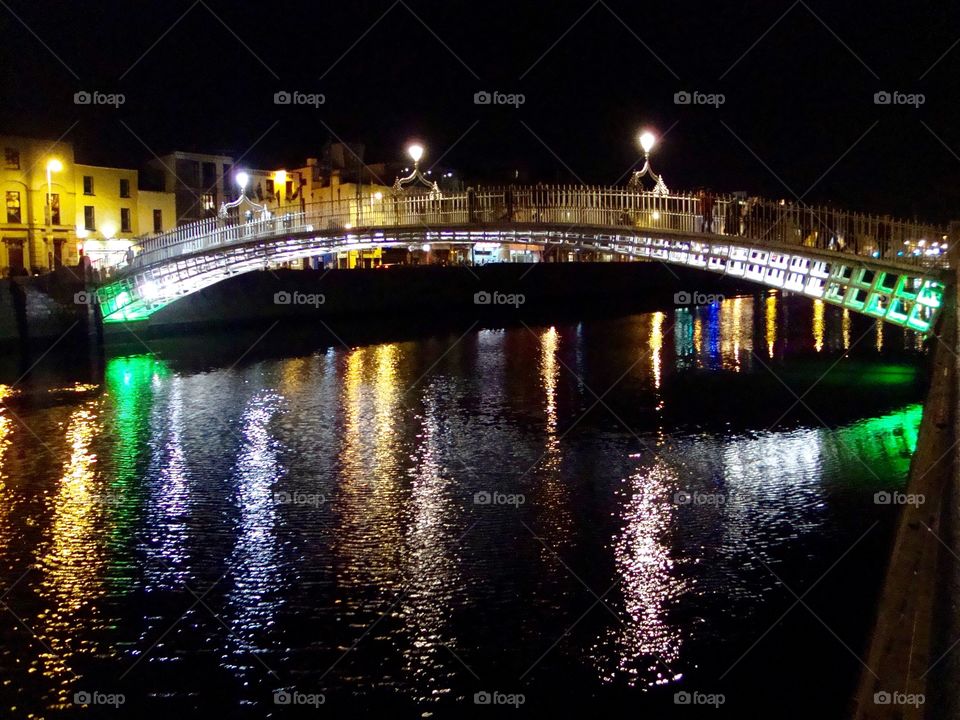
[[203, 77]]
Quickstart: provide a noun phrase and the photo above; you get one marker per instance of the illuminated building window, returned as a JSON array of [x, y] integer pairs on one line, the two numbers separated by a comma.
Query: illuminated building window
[[13, 206], [89, 221], [54, 208], [88, 185], [124, 188], [125, 220], [11, 158], [208, 201], [158, 221], [269, 184]]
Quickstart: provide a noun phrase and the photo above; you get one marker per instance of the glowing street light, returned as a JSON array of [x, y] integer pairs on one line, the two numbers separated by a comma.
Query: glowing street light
[[242, 179], [647, 141], [415, 152]]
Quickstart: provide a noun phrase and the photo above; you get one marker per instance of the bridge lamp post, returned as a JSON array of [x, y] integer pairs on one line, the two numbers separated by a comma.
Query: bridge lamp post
[[242, 179], [647, 142]]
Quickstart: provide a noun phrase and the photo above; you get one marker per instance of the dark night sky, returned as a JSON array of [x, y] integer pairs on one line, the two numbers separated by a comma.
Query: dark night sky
[[801, 98]]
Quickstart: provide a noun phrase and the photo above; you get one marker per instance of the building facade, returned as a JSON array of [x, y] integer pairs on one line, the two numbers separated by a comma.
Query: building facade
[[57, 209], [200, 182]]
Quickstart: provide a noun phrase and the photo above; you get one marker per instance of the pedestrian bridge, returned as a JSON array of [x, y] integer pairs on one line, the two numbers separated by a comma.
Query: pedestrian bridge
[[873, 265]]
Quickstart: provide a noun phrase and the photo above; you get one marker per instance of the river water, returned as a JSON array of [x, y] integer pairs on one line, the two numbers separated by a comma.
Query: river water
[[592, 516]]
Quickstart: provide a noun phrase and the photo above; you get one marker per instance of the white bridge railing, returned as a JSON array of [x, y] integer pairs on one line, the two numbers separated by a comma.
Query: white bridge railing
[[572, 207]]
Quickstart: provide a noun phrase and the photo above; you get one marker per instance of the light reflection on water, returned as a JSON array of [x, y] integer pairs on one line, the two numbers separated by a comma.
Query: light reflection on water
[[328, 504]]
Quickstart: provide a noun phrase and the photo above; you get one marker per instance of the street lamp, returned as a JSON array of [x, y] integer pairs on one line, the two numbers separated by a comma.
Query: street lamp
[[415, 152], [647, 141], [242, 179]]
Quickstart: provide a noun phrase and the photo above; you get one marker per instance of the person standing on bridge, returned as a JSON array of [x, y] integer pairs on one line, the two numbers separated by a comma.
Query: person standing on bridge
[[706, 208]]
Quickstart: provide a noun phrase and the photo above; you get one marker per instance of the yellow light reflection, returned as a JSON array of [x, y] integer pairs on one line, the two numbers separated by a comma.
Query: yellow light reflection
[[698, 335], [736, 332], [879, 334], [846, 329], [818, 312], [556, 520], [370, 531], [73, 558], [771, 317], [656, 345]]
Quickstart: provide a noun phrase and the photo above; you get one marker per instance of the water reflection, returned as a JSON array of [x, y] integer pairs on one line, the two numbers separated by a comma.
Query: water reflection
[[255, 566], [645, 648], [431, 561], [72, 559]]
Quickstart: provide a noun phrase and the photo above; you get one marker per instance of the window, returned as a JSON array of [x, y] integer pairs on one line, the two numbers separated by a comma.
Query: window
[[89, 221], [158, 221], [54, 208], [288, 190], [124, 188], [269, 186], [208, 201], [88, 185], [11, 158], [13, 206], [209, 170], [125, 220]]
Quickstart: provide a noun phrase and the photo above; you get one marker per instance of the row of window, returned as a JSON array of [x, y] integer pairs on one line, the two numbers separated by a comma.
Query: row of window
[[12, 162], [89, 216]]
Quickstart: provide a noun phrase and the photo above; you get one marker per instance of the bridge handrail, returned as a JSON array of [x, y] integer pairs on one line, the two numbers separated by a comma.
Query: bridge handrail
[[617, 207]]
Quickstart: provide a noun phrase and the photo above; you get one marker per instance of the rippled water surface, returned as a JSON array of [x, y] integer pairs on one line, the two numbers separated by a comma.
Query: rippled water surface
[[596, 514]]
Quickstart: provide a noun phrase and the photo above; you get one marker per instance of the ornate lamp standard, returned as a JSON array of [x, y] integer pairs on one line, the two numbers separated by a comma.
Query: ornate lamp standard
[[415, 151], [647, 141]]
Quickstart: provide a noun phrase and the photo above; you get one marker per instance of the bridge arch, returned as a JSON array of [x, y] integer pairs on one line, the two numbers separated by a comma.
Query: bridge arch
[[862, 266]]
